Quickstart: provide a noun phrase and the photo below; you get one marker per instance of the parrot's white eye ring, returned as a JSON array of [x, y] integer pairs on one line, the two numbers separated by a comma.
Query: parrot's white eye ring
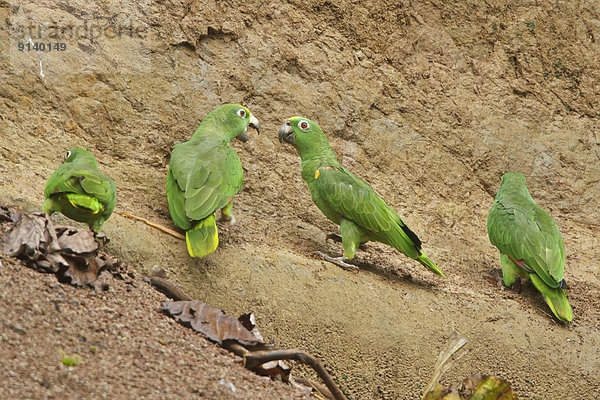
[[68, 154], [241, 113], [304, 125]]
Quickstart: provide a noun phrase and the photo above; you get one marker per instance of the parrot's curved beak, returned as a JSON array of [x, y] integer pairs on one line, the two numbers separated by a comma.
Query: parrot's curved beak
[[286, 133], [253, 123]]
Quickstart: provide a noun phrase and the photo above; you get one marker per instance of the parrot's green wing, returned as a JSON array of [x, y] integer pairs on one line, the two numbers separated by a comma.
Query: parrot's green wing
[[82, 193], [354, 199], [176, 200], [71, 178], [201, 180], [527, 233]]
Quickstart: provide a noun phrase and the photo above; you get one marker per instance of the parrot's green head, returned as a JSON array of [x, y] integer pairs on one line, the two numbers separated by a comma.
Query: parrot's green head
[[513, 178], [234, 119], [305, 135], [514, 182], [80, 156]]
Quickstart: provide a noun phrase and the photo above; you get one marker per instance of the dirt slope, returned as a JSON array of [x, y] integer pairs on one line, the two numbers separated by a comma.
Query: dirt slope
[[124, 348], [431, 102]]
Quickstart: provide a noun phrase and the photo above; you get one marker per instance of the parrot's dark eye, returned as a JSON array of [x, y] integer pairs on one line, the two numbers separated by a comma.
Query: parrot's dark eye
[[241, 113], [68, 154], [303, 125]]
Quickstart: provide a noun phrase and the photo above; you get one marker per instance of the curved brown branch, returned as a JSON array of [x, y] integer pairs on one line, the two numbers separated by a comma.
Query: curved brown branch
[[169, 289], [256, 358]]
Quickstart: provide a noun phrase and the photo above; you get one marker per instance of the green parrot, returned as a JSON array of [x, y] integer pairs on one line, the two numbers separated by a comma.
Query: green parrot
[[78, 190], [530, 243], [347, 200], [205, 173]]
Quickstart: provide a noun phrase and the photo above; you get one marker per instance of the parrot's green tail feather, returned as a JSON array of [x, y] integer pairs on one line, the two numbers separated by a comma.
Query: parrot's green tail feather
[[555, 298], [423, 259], [203, 238]]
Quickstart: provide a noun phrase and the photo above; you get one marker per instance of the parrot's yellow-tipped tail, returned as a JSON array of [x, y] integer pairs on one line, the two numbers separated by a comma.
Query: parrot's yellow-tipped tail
[[203, 238], [556, 299], [423, 259]]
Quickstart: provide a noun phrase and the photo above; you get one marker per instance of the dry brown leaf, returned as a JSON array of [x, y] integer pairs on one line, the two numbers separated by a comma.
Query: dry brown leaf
[[70, 253], [441, 393], [28, 237], [249, 322], [7, 215], [76, 241], [485, 387], [212, 322], [81, 270]]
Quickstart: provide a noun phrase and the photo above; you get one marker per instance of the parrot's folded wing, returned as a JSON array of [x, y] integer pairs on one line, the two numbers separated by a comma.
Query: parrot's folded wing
[[208, 184], [63, 180], [176, 200], [98, 185], [71, 178], [356, 201], [527, 233]]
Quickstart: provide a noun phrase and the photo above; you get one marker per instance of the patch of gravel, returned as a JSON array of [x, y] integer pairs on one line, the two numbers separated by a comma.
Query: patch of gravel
[[124, 347]]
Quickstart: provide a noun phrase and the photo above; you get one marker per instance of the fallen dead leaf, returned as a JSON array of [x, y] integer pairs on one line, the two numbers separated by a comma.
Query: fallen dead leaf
[[475, 387], [441, 393], [213, 323], [485, 387], [69, 252], [76, 241]]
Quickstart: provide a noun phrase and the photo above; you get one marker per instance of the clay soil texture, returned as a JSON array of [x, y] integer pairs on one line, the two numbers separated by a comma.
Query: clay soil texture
[[430, 102]]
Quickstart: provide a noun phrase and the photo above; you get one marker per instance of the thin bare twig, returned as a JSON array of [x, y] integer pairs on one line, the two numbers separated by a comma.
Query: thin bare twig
[[156, 226], [320, 389], [442, 365]]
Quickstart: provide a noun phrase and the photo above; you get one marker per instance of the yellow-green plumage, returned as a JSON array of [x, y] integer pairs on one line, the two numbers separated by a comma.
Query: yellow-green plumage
[[204, 174], [530, 243], [203, 238], [78, 190], [346, 199]]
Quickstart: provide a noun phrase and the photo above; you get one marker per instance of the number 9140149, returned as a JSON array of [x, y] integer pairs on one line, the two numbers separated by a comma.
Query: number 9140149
[[49, 46]]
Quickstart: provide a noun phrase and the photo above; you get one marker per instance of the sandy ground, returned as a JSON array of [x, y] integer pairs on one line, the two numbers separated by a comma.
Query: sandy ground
[[430, 102], [124, 348]]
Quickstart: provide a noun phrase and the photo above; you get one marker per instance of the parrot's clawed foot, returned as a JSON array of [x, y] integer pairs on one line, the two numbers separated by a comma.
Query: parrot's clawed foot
[[517, 285], [100, 237], [496, 273], [228, 218], [339, 261], [495, 277], [563, 285]]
